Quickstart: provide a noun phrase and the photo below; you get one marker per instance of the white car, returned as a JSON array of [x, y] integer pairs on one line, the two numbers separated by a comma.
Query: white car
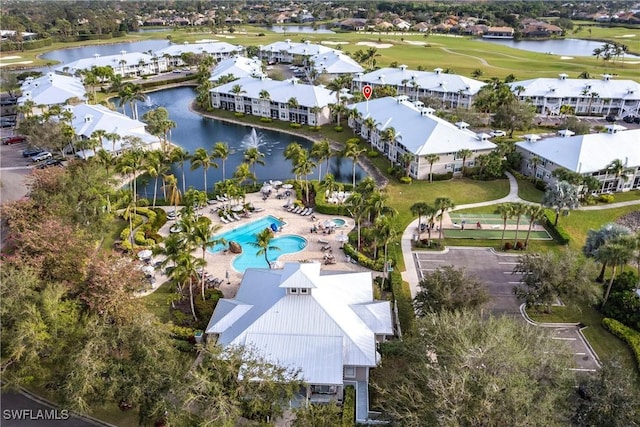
[[42, 156], [498, 133]]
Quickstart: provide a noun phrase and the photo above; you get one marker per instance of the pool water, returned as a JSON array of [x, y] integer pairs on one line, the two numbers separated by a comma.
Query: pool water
[[339, 222], [245, 235]]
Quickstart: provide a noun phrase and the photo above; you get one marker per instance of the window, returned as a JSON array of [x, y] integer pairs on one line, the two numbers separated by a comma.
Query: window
[[304, 291], [349, 372], [293, 290]]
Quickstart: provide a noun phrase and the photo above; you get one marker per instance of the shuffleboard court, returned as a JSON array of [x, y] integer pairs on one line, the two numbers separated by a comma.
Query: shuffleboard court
[[484, 218], [494, 234]]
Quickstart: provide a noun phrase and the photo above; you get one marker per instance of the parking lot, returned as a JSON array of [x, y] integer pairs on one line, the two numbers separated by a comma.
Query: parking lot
[[495, 271], [14, 170]]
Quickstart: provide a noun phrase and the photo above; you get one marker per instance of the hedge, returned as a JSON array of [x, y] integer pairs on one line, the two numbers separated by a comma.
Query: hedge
[[349, 407], [442, 176], [626, 334], [363, 260], [403, 299], [559, 234]]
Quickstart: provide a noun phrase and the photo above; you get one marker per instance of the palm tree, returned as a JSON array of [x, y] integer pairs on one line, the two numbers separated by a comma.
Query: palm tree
[[465, 153], [155, 166], [303, 167], [315, 110], [180, 156], [369, 124], [431, 158], [292, 152], [264, 94], [202, 159], [443, 204], [600, 237], [187, 267], [353, 151], [99, 134], [614, 254], [253, 156], [202, 235], [419, 209], [263, 242], [535, 213], [104, 158], [620, 171], [385, 234], [243, 173], [292, 103], [113, 137], [221, 151], [321, 151], [171, 248], [175, 197], [389, 136], [519, 209], [237, 89], [505, 210], [356, 205], [355, 116], [376, 205]]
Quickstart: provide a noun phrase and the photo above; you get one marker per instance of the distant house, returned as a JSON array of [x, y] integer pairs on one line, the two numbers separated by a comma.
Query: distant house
[[401, 24], [499, 33], [588, 155], [603, 96], [452, 89], [154, 22], [541, 30], [238, 66], [252, 100], [327, 326], [419, 133], [353, 24], [422, 27]]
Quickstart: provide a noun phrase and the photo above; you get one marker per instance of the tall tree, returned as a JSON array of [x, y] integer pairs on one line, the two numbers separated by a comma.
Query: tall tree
[[202, 159], [321, 151], [253, 156], [600, 237], [518, 209], [535, 213], [431, 158], [202, 235], [505, 210], [561, 197], [616, 255], [620, 171], [443, 204], [180, 156], [263, 243], [353, 151], [221, 151]]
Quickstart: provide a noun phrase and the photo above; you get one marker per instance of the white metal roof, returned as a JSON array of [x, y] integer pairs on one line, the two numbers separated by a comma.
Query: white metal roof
[[426, 80], [281, 91], [238, 66], [562, 87], [212, 47], [588, 153], [51, 89], [113, 61], [335, 62], [420, 133], [376, 315], [327, 311], [305, 48]]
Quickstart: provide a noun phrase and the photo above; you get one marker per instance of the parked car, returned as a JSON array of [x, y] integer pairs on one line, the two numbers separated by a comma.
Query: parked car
[[610, 118], [49, 163], [636, 120], [497, 132], [629, 119], [7, 123], [30, 152], [15, 139], [45, 155]]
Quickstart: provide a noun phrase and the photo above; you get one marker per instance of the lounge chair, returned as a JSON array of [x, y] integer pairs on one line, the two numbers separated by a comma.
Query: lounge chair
[[302, 212], [220, 199], [323, 241], [235, 216], [291, 208], [212, 202], [309, 212], [258, 210], [224, 220]]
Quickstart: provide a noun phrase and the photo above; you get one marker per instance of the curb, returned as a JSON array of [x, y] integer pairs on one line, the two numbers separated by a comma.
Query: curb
[[527, 319], [588, 345]]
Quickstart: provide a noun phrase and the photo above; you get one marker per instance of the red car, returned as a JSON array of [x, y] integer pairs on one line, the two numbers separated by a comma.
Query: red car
[[15, 139]]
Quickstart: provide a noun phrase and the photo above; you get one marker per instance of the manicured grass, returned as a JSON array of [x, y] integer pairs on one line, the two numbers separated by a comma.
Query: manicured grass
[[472, 233], [158, 302], [605, 344], [110, 236], [460, 191], [624, 197], [528, 191], [579, 222]]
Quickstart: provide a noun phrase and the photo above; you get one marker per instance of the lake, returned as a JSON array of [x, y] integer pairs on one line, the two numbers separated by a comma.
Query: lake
[[64, 56], [320, 29], [194, 131], [564, 47]]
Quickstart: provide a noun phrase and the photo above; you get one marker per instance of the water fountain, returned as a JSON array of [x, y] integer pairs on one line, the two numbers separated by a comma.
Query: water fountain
[[147, 101], [255, 140]]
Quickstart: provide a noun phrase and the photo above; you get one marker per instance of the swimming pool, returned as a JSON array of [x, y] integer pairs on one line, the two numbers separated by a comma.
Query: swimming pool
[[339, 222], [245, 235]]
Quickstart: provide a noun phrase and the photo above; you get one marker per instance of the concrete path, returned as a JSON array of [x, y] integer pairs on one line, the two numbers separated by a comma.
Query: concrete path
[[609, 206]]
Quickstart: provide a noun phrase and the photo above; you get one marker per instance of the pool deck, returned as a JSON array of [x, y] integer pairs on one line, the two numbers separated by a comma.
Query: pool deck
[[219, 264]]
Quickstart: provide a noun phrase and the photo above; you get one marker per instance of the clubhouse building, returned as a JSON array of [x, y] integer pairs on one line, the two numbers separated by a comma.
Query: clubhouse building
[[327, 326], [419, 133], [51, 89]]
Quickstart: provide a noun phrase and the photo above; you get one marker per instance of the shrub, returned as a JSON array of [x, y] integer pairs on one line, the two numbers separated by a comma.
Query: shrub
[[519, 245], [590, 200], [540, 185], [338, 128], [266, 119], [181, 333], [349, 407], [442, 176], [508, 246], [372, 153], [295, 125], [625, 333], [362, 259], [238, 115], [405, 179], [606, 198], [314, 128], [184, 346]]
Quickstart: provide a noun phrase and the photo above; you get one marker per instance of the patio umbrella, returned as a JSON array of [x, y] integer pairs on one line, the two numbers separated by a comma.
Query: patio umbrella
[[342, 238], [276, 183], [148, 270], [145, 254], [237, 208], [287, 186], [328, 223]]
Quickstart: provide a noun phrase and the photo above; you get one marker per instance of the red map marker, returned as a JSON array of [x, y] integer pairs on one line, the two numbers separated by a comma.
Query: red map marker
[[367, 91]]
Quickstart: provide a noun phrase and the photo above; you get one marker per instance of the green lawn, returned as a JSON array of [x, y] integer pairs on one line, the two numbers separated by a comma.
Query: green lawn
[[528, 191], [110, 236], [158, 301], [606, 345], [624, 197]]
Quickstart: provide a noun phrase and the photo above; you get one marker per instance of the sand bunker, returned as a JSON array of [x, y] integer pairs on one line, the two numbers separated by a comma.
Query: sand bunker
[[376, 45], [16, 63], [567, 57], [206, 41], [332, 43], [6, 58], [415, 43], [625, 36]]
